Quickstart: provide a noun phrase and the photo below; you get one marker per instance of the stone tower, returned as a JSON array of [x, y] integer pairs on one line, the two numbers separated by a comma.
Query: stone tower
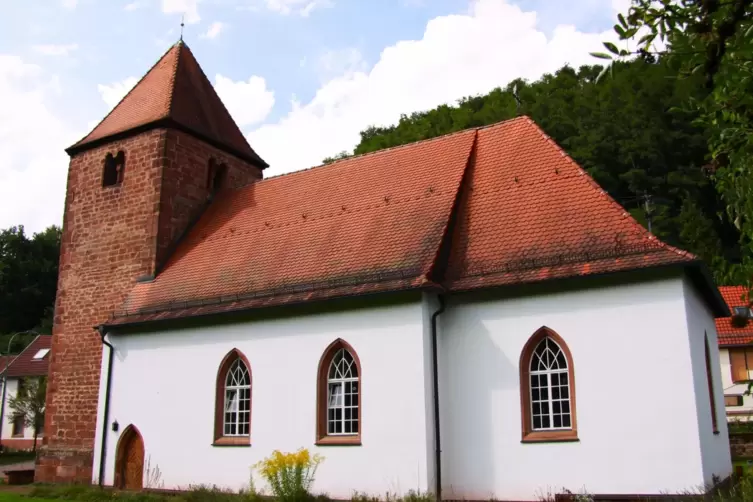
[[135, 185]]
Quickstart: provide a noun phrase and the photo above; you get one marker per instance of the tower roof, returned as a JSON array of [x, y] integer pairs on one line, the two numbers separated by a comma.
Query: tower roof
[[174, 92]]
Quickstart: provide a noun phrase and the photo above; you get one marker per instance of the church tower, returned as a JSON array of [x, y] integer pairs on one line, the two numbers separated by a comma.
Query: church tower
[[135, 185]]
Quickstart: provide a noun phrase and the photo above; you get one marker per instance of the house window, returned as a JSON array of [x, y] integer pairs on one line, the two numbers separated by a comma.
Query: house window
[[741, 360], [733, 400], [40, 354], [18, 426], [710, 381], [339, 396], [233, 401], [547, 389], [114, 168]]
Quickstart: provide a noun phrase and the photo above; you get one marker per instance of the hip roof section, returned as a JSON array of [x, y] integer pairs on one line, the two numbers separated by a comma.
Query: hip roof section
[[484, 207], [729, 333], [372, 220]]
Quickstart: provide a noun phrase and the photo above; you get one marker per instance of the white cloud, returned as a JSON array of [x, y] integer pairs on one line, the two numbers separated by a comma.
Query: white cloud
[[54, 50], [340, 62], [33, 163], [248, 102], [214, 30], [69, 4], [188, 8], [301, 7], [113, 93], [459, 55], [133, 6]]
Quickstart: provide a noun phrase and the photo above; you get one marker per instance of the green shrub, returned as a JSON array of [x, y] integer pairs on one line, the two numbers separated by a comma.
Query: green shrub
[[290, 475]]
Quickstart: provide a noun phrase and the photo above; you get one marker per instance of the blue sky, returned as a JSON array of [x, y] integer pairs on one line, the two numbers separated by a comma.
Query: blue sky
[[301, 77]]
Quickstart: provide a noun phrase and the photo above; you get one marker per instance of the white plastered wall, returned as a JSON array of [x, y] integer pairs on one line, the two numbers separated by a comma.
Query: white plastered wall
[[636, 399], [164, 384], [717, 462]]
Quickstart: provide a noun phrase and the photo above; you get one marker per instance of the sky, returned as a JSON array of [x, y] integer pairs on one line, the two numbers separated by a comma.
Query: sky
[[301, 78]]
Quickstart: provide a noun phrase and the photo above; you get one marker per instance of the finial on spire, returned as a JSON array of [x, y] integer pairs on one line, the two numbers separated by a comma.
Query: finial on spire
[[182, 24]]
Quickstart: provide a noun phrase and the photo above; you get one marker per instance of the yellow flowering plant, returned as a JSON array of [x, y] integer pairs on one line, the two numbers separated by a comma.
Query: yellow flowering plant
[[289, 475]]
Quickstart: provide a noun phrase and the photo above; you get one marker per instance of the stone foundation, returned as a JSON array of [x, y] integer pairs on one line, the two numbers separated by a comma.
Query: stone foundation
[[64, 466]]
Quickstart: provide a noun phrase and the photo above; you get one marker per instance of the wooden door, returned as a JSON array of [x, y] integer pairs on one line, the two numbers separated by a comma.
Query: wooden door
[[129, 463]]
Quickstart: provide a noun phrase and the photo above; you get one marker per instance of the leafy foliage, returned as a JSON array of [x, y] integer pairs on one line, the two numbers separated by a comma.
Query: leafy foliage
[[29, 403], [618, 129], [710, 41], [28, 282], [290, 475]]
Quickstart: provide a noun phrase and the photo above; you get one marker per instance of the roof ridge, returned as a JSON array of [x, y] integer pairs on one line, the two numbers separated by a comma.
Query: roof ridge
[[604, 194], [396, 147], [171, 88], [127, 94]]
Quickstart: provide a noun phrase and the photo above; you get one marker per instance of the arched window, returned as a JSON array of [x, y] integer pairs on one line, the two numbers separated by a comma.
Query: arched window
[[216, 174], [232, 424], [547, 389], [339, 396], [114, 169]]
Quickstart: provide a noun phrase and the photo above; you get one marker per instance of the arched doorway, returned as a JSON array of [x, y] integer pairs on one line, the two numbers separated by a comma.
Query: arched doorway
[[129, 460]]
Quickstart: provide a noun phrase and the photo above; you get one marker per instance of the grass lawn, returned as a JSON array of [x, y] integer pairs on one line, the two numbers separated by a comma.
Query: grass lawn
[[6, 496]]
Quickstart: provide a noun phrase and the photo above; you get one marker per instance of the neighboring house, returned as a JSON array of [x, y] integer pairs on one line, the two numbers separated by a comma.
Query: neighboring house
[[33, 362], [422, 316], [736, 352]]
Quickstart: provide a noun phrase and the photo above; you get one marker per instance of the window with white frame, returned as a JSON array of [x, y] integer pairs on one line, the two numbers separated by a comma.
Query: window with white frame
[[342, 394], [237, 409], [550, 387]]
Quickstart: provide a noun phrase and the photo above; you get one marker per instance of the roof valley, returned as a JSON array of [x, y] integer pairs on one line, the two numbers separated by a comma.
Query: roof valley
[[441, 260]]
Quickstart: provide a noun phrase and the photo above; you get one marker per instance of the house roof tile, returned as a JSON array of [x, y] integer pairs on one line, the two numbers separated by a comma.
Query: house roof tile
[[175, 89], [5, 361], [484, 207], [25, 365], [729, 333]]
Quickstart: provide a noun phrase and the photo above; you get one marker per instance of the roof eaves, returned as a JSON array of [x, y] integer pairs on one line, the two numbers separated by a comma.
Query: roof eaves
[[700, 274], [167, 122], [148, 319]]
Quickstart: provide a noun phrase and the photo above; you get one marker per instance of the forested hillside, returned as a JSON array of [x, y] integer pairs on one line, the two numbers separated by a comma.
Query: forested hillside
[[621, 130]]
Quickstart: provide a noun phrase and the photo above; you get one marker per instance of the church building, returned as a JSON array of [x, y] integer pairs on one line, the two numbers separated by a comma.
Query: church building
[[470, 316]]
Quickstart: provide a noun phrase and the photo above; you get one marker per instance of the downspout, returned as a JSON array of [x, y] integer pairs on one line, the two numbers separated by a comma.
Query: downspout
[[2, 406], [435, 365], [106, 412]]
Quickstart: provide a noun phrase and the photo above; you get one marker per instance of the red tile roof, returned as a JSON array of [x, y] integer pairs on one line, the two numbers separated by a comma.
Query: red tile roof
[[5, 361], [729, 334], [25, 364], [175, 89], [524, 212]]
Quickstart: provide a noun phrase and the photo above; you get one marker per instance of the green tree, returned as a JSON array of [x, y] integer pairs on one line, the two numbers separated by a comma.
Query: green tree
[[29, 403], [710, 41], [28, 280]]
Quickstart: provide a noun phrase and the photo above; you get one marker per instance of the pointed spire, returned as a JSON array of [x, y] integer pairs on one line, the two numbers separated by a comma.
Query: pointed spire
[[175, 92]]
